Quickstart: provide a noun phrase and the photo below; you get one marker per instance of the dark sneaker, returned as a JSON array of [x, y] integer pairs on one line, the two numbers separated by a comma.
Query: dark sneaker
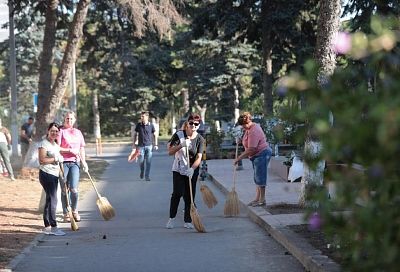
[[141, 175], [147, 179], [258, 204]]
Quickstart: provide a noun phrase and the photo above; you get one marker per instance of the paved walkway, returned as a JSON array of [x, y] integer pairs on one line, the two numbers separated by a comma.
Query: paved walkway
[[278, 191]]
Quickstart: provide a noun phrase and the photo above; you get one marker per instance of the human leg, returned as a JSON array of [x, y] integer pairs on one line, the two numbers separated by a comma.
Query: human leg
[[141, 161], [187, 198], [24, 150], [73, 181], [148, 157], [6, 159], [177, 193], [49, 184]]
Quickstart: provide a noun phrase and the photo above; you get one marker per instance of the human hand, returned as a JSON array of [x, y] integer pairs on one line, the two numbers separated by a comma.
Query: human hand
[[185, 142], [85, 167], [58, 158], [190, 172], [155, 147], [133, 156]]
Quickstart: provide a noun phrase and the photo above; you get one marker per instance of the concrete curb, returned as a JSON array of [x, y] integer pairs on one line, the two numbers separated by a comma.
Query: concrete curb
[[311, 258], [17, 259]]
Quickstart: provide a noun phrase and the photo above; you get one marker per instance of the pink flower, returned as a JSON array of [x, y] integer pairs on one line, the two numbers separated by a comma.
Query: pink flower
[[342, 43], [314, 222]]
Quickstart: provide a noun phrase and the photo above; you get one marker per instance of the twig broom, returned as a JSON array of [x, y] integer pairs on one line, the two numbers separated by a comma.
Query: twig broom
[[208, 196], [74, 225], [193, 211], [231, 207], [105, 208]]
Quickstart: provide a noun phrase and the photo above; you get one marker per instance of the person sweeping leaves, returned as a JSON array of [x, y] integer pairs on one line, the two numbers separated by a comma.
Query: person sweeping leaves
[[257, 149], [184, 170]]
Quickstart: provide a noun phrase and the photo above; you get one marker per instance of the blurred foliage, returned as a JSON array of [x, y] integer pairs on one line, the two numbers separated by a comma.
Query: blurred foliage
[[363, 99]]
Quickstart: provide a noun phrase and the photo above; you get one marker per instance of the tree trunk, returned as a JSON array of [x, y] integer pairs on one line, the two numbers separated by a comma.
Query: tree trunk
[[236, 110], [185, 100], [328, 26], [267, 77], [46, 60], [202, 110], [46, 114], [49, 98], [96, 122]]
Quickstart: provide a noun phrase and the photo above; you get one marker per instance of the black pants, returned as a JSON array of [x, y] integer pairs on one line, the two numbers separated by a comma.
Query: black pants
[[49, 184], [181, 189]]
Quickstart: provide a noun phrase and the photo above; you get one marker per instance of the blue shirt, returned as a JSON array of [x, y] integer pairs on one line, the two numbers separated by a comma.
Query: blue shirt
[[145, 133]]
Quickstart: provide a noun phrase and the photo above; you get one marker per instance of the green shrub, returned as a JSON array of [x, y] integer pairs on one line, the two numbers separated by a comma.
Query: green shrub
[[364, 100]]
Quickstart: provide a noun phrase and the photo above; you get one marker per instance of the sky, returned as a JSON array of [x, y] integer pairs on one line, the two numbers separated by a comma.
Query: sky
[[3, 19]]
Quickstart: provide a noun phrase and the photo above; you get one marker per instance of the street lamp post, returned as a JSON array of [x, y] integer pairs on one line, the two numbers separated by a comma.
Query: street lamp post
[[13, 82]]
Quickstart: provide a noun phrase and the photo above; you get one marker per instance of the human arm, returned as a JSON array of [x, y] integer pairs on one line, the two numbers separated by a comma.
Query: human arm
[[23, 134], [175, 143], [8, 135], [44, 159], [135, 140], [248, 152], [155, 141], [82, 155]]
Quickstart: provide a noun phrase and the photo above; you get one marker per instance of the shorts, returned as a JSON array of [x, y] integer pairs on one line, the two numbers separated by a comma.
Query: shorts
[[260, 166]]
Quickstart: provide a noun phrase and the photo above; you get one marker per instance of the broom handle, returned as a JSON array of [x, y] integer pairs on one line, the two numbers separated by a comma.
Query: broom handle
[[234, 170], [90, 177], [190, 179], [91, 180]]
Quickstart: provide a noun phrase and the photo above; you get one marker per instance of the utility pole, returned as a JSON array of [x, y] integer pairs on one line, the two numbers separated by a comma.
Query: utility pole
[[13, 82]]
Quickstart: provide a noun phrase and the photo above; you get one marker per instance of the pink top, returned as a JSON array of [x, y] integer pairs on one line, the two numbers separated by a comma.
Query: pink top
[[70, 138], [255, 137]]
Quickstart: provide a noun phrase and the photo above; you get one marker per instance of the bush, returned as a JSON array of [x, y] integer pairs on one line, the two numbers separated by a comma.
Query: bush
[[364, 100]]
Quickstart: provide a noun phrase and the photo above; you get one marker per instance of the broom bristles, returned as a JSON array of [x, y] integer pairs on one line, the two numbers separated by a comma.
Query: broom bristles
[[74, 225], [232, 204], [106, 210], [208, 196], [196, 219]]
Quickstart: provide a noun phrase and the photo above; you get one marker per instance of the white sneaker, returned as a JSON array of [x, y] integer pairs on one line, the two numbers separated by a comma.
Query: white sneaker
[[56, 231], [47, 230], [188, 225], [170, 223]]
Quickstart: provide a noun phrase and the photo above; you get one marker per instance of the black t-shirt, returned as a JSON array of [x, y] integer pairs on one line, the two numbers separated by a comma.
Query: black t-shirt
[[28, 128], [197, 145], [145, 133]]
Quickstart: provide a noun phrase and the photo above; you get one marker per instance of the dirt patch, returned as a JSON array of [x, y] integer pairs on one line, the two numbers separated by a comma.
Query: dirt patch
[[20, 220], [284, 208], [319, 241]]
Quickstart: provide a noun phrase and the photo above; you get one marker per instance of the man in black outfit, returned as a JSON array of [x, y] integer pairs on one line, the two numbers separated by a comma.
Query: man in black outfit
[[145, 139]]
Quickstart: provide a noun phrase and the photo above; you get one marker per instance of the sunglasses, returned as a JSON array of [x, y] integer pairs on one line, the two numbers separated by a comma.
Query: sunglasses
[[194, 124]]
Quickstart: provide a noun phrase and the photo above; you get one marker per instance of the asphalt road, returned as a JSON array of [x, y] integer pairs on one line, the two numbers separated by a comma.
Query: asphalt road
[[137, 240]]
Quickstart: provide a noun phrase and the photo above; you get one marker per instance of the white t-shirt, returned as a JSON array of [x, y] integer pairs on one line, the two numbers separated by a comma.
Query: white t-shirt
[[51, 149]]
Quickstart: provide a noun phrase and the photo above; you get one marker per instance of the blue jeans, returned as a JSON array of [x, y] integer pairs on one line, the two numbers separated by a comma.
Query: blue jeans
[[71, 176], [260, 166], [146, 153]]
